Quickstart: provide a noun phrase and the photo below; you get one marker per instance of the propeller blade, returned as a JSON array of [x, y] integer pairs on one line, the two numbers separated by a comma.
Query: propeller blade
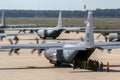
[[109, 50], [39, 52], [37, 40], [105, 38], [20, 31], [16, 42], [31, 31], [10, 41], [10, 53], [16, 51], [43, 41], [98, 36], [33, 51], [24, 31], [16, 38], [81, 38], [1, 38]]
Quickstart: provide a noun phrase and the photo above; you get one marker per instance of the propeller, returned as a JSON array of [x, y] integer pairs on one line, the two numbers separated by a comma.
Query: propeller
[[31, 31], [109, 50], [24, 31], [15, 50], [98, 36], [77, 32], [39, 50], [104, 35], [81, 38], [37, 40], [1, 38], [16, 38], [21, 31], [10, 41]]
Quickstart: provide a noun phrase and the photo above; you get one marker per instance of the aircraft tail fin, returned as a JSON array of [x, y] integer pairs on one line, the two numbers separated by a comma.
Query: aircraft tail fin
[[3, 24], [59, 25], [89, 36]]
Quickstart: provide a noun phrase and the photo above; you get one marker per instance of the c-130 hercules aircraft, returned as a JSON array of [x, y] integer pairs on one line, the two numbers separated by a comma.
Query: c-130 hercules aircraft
[[43, 32], [63, 52]]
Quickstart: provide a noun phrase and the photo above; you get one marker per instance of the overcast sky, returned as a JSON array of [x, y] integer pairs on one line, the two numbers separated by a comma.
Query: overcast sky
[[59, 4]]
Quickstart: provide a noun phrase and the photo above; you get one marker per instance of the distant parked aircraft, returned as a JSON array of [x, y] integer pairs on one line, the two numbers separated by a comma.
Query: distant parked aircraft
[[43, 32], [108, 34]]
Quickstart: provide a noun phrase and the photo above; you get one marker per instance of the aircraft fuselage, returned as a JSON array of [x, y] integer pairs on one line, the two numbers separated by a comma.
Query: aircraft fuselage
[[67, 56], [49, 33]]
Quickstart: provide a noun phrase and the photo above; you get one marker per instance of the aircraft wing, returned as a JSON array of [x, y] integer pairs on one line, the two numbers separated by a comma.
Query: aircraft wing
[[14, 34], [29, 46], [106, 31], [21, 25], [73, 28], [107, 45], [102, 30], [34, 28], [19, 28], [55, 46]]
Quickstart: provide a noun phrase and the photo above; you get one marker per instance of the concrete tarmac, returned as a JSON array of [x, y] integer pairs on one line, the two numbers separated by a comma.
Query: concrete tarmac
[[33, 67]]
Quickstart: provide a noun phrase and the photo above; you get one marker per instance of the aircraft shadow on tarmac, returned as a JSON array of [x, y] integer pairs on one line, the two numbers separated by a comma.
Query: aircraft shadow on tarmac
[[63, 66], [34, 67], [104, 70], [4, 50]]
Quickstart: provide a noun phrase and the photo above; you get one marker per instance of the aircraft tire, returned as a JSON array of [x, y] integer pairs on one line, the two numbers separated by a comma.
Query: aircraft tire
[[44, 38], [54, 37], [57, 64]]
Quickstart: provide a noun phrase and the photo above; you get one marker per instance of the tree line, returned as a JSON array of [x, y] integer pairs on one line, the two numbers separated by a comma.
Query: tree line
[[102, 13]]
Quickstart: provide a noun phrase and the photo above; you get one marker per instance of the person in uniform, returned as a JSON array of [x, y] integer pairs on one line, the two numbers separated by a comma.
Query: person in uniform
[[108, 66], [101, 66]]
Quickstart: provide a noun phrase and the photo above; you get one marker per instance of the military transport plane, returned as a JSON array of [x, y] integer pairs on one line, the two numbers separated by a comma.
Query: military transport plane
[[44, 32], [63, 52], [109, 34], [4, 25]]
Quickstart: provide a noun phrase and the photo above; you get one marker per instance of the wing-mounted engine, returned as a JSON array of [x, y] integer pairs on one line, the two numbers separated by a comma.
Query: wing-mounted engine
[[104, 35]]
